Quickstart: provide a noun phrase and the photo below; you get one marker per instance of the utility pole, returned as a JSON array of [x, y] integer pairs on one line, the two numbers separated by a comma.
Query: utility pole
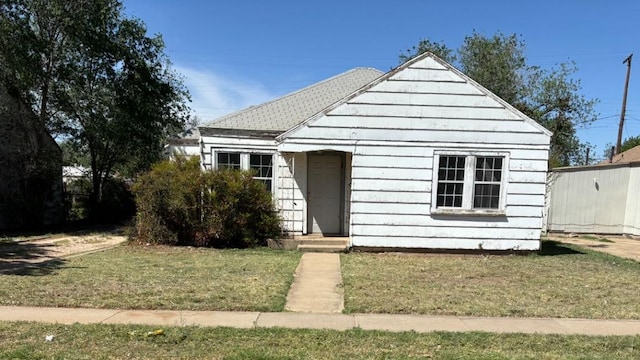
[[586, 162], [624, 103]]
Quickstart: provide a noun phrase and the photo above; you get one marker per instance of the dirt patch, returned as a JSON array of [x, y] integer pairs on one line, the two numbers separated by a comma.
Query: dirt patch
[[18, 255], [74, 245], [622, 246]]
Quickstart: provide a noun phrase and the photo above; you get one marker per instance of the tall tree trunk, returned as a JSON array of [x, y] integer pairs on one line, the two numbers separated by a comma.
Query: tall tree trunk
[[95, 198]]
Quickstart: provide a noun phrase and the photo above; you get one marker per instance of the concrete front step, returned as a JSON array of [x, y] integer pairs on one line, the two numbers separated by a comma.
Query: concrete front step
[[313, 243], [331, 241], [325, 244]]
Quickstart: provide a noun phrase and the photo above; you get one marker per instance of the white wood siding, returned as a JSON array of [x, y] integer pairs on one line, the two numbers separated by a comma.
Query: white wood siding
[[596, 199], [182, 150], [392, 131]]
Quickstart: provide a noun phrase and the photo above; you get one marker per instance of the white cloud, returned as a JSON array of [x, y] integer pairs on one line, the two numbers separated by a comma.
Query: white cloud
[[214, 95]]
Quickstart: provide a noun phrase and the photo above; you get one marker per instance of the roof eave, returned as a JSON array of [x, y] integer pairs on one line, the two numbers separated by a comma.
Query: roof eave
[[245, 133]]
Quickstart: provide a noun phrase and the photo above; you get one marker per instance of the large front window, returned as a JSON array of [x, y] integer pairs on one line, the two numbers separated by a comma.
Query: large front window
[[261, 164], [469, 183]]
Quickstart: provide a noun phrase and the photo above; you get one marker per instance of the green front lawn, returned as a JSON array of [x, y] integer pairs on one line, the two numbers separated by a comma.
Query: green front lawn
[[562, 281], [131, 277], [27, 341]]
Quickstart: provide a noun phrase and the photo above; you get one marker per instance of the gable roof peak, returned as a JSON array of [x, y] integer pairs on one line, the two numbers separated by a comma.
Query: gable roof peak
[[444, 66]]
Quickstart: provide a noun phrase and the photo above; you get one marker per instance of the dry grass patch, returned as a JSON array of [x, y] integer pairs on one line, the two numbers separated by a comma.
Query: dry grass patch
[[26, 341], [561, 281], [130, 277]]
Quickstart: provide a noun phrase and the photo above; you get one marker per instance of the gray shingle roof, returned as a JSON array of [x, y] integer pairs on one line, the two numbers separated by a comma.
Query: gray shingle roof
[[282, 114]]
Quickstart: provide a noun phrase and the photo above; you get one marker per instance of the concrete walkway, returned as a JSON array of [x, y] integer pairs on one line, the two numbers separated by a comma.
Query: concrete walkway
[[317, 285], [251, 320]]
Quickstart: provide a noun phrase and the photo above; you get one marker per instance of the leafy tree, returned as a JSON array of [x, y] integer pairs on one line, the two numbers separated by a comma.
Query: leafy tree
[[554, 101], [498, 63], [440, 49], [94, 75], [73, 154], [550, 96], [630, 143], [627, 144]]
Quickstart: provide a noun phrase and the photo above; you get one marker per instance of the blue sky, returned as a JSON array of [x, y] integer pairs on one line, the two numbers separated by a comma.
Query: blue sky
[[239, 53]]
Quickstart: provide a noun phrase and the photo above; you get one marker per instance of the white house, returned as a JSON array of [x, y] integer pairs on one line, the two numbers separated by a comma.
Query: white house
[[419, 157], [186, 143], [597, 199]]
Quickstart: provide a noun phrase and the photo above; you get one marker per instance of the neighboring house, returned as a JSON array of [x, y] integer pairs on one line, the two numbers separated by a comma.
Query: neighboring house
[[186, 143], [629, 156], [31, 161], [74, 173], [419, 157], [597, 199]]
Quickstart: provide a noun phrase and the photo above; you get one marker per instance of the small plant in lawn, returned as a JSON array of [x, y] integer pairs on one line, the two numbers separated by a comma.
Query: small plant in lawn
[[179, 204]]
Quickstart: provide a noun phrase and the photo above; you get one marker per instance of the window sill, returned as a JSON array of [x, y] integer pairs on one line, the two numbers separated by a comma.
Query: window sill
[[469, 212]]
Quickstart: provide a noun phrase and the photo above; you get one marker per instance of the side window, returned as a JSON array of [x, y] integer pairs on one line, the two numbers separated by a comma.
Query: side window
[[469, 183]]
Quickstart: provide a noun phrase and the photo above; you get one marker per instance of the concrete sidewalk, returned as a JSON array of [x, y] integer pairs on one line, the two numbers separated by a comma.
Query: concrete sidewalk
[[250, 320]]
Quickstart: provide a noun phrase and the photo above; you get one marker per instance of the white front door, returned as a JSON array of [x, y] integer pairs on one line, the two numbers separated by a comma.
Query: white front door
[[324, 193]]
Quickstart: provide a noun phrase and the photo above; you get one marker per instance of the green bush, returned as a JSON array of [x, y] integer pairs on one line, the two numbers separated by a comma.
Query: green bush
[[178, 204]]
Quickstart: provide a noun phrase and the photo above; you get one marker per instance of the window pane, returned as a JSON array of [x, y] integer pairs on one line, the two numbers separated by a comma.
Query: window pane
[[486, 196], [450, 181], [487, 182], [262, 165], [228, 160], [488, 169]]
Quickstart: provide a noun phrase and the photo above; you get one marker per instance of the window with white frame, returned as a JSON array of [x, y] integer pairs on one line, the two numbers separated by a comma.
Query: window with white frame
[[487, 182], [451, 181], [472, 183], [261, 164]]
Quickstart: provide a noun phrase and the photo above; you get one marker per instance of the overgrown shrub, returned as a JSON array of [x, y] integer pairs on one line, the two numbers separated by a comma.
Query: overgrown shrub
[[179, 204]]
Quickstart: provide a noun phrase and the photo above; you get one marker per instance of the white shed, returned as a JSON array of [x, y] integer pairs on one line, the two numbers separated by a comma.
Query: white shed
[[597, 199], [420, 157]]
